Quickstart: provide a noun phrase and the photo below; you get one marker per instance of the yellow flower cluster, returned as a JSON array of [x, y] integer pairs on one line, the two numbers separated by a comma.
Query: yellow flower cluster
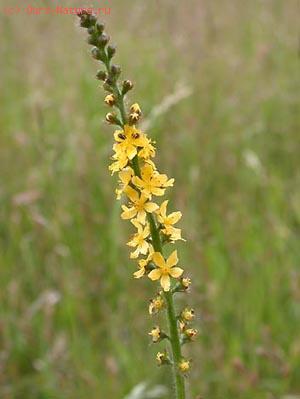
[[140, 187], [140, 191]]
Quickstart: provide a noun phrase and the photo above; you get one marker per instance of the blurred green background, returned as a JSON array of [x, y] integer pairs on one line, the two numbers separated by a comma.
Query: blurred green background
[[219, 85]]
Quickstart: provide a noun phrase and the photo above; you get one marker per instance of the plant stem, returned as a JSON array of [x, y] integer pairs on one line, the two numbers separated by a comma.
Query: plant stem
[[157, 245]]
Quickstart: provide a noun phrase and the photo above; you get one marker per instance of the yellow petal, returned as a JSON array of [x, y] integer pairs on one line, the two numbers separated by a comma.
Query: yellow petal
[[125, 175], [147, 172], [158, 259], [165, 282], [137, 181], [174, 217], [151, 207], [141, 217], [128, 213], [173, 259], [163, 209], [158, 191], [144, 248], [131, 151], [155, 274], [176, 272], [131, 193], [139, 273]]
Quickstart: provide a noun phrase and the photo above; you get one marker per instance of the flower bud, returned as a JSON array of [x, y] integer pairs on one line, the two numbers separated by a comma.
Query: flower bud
[[111, 50], [108, 87], [91, 30], [133, 118], [84, 21], [92, 19], [112, 119], [96, 53], [92, 40], [101, 75], [110, 100], [100, 27], [185, 282], [103, 39], [135, 109], [115, 71], [127, 85]]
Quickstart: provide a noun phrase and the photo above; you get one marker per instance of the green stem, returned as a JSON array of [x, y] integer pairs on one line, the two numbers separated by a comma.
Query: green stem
[[157, 245]]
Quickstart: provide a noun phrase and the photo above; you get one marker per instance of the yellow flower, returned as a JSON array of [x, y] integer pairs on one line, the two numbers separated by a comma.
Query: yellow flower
[[125, 177], [139, 206], [151, 182], [166, 268], [139, 240], [129, 140], [148, 151], [155, 333], [143, 263], [184, 366], [120, 159], [168, 221]]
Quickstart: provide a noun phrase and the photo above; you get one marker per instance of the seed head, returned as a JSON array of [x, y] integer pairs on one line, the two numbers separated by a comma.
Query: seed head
[[156, 304], [187, 314], [162, 358], [191, 333], [184, 366], [155, 333]]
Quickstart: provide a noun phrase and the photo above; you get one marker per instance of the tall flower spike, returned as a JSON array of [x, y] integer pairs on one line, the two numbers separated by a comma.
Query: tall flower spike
[[139, 183]]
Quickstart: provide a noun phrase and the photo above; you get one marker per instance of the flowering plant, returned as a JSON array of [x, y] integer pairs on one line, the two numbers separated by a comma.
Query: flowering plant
[[141, 183]]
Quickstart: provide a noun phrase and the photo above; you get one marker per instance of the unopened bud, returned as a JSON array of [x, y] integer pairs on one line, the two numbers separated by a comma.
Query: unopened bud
[[96, 53], [115, 70], [111, 119], [103, 39], [92, 40], [135, 109], [111, 50], [110, 100], [127, 85], [100, 27], [101, 75], [133, 118]]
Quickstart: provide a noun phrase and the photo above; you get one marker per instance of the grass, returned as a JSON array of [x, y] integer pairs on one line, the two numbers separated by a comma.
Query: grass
[[73, 321]]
